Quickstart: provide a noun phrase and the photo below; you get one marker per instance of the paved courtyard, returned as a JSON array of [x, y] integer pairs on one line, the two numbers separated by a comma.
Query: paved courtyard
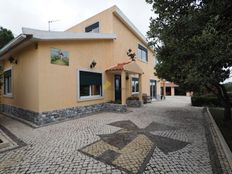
[[163, 137]]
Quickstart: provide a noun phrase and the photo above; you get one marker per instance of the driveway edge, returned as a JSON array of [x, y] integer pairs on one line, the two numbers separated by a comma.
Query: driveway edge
[[220, 138]]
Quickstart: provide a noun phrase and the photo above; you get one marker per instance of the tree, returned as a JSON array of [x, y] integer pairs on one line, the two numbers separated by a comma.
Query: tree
[[5, 36], [193, 42]]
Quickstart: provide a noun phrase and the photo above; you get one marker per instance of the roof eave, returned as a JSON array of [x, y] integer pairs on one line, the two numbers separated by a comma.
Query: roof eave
[[16, 41]]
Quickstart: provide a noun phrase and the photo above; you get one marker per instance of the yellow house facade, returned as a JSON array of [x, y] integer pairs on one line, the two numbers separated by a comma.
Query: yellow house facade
[[50, 76]]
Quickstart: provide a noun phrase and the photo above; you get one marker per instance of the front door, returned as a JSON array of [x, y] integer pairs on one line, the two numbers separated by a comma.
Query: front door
[[153, 88], [117, 87]]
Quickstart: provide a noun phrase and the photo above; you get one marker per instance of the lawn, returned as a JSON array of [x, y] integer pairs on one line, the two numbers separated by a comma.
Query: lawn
[[225, 127]]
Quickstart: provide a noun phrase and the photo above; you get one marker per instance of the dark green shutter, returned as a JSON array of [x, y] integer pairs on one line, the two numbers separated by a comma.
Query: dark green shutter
[[90, 78], [7, 73]]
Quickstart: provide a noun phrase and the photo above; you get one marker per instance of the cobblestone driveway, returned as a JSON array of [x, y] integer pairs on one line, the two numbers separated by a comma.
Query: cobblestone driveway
[[163, 137]]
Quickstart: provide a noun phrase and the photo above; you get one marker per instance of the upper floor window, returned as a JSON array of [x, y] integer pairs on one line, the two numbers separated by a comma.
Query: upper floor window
[[93, 28], [7, 76], [142, 53]]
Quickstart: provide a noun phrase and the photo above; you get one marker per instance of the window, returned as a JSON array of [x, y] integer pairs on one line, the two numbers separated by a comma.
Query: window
[[135, 85], [93, 28], [7, 82], [90, 84], [142, 53]]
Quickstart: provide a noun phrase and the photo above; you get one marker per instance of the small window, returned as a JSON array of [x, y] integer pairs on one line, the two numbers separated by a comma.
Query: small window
[[142, 53], [90, 84], [135, 85], [7, 76], [93, 28]]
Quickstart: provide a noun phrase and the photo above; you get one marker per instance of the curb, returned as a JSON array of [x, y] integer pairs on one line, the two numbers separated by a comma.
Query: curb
[[225, 148]]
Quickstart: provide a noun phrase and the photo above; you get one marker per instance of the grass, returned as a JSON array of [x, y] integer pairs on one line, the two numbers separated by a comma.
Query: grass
[[60, 62], [224, 126]]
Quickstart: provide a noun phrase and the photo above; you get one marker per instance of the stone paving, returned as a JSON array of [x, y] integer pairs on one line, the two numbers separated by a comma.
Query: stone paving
[[163, 137]]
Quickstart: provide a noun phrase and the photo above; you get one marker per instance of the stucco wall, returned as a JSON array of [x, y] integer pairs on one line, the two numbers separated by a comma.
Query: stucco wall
[[25, 79], [125, 40], [105, 22], [41, 86], [58, 84]]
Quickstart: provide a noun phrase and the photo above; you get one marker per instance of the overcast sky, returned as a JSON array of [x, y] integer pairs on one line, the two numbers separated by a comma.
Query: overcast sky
[[36, 13]]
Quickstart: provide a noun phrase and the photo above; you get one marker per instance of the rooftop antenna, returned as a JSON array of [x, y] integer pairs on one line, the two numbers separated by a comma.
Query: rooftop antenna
[[49, 23]]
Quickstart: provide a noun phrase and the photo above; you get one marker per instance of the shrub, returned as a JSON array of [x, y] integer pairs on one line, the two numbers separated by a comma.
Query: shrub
[[205, 101], [133, 98]]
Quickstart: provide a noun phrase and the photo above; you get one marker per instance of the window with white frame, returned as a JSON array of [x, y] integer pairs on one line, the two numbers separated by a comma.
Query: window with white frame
[[142, 53], [90, 84], [135, 85], [7, 80]]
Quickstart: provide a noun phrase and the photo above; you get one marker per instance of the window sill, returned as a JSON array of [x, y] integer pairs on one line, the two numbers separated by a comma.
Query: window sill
[[133, 93], [8, 95], [90, 98], [142, 60]]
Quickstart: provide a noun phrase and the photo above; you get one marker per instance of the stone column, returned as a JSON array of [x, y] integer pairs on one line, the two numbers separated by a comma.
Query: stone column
[[123, 87], [172, 91], [140, 88]]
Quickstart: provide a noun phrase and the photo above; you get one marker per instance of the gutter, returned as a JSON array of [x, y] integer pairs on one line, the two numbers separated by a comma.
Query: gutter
[[16, 41]]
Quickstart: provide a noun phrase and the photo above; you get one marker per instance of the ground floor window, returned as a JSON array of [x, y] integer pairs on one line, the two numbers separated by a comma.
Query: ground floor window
[[7, 77], [90, 84], [135, 85]]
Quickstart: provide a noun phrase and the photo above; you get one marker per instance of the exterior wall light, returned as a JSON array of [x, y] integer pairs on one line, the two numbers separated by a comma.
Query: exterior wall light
[[131, 55], [12, 60], [93, 64]]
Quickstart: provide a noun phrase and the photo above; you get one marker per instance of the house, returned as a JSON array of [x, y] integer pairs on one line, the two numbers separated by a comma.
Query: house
[[171, 89], [50, 76]]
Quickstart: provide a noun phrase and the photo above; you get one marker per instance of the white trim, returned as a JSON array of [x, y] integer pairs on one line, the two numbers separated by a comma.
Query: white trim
[[20, 38], [130, 25], [135, 86], [95, 97], [139, 58], [65, 35], [10, 95]]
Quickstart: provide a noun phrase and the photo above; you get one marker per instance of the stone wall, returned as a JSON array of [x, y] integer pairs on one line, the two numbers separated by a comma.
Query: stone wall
[[62, 114], [134, 103]]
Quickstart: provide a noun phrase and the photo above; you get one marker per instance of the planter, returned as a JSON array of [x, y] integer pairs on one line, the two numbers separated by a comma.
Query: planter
[[134, 103]]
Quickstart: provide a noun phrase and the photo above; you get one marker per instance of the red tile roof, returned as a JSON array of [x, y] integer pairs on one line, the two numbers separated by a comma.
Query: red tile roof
[[118, 67]]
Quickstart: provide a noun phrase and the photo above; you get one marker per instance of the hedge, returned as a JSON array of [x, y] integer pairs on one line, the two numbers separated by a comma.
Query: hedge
[[205, 101]]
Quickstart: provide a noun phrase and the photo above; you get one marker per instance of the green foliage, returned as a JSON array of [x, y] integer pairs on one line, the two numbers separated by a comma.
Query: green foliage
[[133, 98], [5, 36], [225, 127], [193, 41], [228, 87], [205, 101]]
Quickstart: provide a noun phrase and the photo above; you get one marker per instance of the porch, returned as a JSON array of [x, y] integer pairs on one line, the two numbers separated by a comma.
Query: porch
[[122, 73]]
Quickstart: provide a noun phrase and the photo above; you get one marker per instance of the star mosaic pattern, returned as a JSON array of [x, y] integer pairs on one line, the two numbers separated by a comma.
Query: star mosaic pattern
[[130, 148]]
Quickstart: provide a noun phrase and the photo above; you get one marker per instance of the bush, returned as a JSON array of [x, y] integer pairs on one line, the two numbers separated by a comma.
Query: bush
[[133, 98], [205, 101]]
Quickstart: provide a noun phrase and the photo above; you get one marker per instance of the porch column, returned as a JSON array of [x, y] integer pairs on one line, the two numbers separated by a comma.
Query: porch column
[[164, 88], [123, 87], [140, 88], [172, 91]]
